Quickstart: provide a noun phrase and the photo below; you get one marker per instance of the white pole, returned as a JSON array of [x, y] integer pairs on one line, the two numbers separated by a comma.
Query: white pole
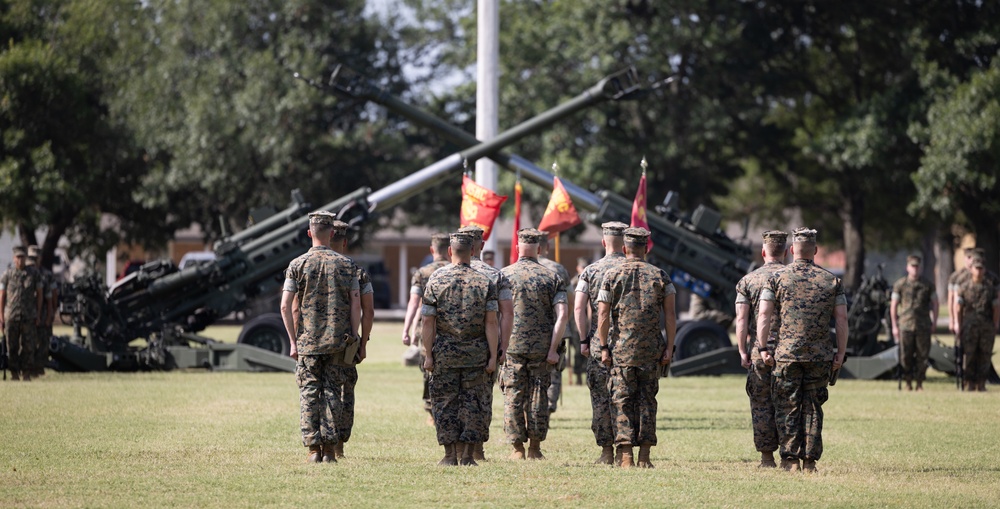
[[487, 93]]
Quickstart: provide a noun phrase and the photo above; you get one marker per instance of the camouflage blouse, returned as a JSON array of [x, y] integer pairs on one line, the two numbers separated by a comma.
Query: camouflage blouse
[[915, 297], [635, 291], [323, 281], [805, 294], [590, 284], [21, 286], [977, 301], [748, 292], [536, 290], [459, 297], [503, 286]]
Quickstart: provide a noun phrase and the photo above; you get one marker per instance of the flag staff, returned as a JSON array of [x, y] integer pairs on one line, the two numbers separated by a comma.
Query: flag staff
[[555, 172]]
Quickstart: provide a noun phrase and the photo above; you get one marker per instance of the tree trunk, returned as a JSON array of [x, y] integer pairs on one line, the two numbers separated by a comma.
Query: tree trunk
[[987, 237], [944, 250], [927, 252], [852, 214]]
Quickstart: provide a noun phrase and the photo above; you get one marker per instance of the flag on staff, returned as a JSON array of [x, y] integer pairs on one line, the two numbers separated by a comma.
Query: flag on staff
[[517, 220], [480, 206], [639, 205], [560, 214]]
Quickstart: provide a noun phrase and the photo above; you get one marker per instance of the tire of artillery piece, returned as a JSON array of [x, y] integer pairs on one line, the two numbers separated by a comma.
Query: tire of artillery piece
[[695, 338], [265, 331]]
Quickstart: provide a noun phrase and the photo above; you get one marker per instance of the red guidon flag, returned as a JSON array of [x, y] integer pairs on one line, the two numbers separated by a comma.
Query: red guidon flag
[[639, 209], [480, 206], [560, 214], [517, 222]]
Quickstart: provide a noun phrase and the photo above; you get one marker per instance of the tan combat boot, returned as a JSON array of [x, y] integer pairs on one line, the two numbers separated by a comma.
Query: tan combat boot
[[338, 450], [809, 466], [315, 454], [625, 452], [449, 459], [478, 453], [644, 457], [920, 386], [328, 453], [607, 456], [909, 385], [467, 452], [982, 386], [767, 460], [535, 450], [518, 453], [790, 464]]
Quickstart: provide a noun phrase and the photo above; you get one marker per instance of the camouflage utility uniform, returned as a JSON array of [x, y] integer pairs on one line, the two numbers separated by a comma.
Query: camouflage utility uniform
[[555, 386], [345, 424], [598, 375], [635, 292], [805, 296], [914, 319], [417, 285], [22, 287], [504, 293], [46, 314], [758, 386], [322, 280], [978, 328], [526, 376], [459, 297]]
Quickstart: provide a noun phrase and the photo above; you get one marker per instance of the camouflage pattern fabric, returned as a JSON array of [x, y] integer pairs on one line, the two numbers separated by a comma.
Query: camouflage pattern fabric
[[590, 283], [914, 309], [44, 333], [598, 378], [560, 271], [536, 290], [417, 284], [459, 297], [320, 378], [978, 333], [526, 401], [635, 291], [555, 385], [799, 392], [758, 386], [956, 277], [503, 293], [633, 402], [914, 347], [806, 295], [323, 281], [345, 394], [21, 308]]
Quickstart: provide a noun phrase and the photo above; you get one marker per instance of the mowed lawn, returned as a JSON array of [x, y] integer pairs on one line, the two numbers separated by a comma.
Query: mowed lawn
[[213, 439]]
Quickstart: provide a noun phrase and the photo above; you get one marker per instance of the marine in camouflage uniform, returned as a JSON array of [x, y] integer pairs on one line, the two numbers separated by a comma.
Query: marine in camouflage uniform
[[325, 285], [953, 281], [913, 311], [633, 295], [506, 319], [46, 314], [439, 250], [978, 299], [20, 300], [806, 297], [758, 386], [539, 312], [555, 385], [461, 335], [585, 314]]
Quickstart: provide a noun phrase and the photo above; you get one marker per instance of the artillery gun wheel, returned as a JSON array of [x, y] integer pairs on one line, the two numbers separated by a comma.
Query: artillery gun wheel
[[696, 338], [266, 331]]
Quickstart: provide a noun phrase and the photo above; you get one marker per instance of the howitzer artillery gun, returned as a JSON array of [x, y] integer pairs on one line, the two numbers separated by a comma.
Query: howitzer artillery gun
[[167, 306]]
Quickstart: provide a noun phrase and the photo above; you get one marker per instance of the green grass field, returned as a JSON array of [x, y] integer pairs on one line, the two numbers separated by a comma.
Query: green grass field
[[204, 439]]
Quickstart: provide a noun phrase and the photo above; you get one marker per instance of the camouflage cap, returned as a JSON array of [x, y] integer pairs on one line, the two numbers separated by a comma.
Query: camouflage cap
[[322, 217], [804, 235], [475, 231], [775, 237], [913, 260], [639, 236], [543, 236], [613, 228], [19, 251], [34, 251], [462, 239], [977, 262], [528, 235]]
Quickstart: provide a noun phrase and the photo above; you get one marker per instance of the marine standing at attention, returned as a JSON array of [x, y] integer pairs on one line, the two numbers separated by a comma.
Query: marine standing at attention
[[325, 341], [46, 313], [20, 300], [765, 434], [633, 297], [555, 386], [460, 333], [978, 302], [913, 312], [806, 298], [585, 315], [539, 316]]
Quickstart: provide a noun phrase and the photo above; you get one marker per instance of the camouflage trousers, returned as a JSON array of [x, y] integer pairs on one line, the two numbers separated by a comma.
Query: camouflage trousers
[[914, 346], [44, 335], [20, 338], [633, 392], [320, 379], [555, 385], [765, 433], [598, 377], [458, 403], [798, 391], [526, 400], [977, 350], [345, 394]]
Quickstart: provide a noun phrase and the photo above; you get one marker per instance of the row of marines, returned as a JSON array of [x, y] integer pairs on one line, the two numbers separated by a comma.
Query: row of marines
[[28, 297]]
